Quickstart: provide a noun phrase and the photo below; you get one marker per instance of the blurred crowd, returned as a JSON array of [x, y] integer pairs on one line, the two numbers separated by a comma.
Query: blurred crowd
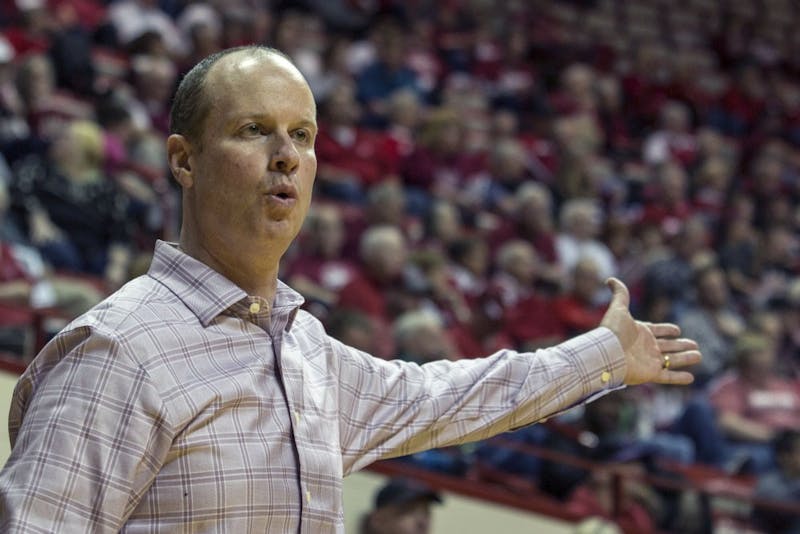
[[483, 167]]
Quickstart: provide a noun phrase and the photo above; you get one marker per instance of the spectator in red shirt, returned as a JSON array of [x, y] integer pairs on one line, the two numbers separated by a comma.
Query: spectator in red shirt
[[526, 315], [753, 402], [377, 289], [578, 310], [405, 114], [321, 270], [351, 159], [438, 165], [578, 94], [32, 33], [668, 203], [47, 108], [674, 140], [744, 103], [385, 205]]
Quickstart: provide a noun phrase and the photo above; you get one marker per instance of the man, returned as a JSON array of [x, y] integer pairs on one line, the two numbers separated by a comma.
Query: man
[[782, 485], [199, 398], [753, 401], [401, 507]]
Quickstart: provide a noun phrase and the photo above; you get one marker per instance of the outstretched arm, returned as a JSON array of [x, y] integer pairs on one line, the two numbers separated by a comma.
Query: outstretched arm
[[653, 352]]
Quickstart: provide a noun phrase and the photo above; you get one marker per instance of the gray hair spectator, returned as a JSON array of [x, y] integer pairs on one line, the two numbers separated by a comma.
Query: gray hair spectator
[[581, 222], [420, 337]]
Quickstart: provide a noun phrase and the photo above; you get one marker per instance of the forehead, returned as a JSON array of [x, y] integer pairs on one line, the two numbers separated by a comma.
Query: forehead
[[249, 81]]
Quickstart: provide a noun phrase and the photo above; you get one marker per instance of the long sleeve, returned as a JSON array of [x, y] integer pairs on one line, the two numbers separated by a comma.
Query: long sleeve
[[87, 440], [396, 408]]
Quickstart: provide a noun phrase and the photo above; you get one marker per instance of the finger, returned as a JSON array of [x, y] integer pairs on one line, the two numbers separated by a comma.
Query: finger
[[682, 359], [619, 293], [674, 377], [668, 345], [664, 329]]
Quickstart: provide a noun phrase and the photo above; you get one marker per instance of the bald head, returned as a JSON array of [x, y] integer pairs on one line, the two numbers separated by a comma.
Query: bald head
[[191, 103]]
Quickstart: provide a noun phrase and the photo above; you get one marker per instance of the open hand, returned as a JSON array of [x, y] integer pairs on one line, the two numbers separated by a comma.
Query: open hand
[[648, 347]]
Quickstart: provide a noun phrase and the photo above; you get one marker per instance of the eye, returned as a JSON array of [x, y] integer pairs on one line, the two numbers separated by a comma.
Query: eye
[[302, 135], [252, 129]]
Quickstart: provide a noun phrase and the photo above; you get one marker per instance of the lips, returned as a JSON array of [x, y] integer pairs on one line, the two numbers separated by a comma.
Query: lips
[[283, 191]]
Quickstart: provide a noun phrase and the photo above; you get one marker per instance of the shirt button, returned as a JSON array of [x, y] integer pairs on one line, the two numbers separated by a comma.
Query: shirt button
[[297, 416], [605, 377], [308, 497], [255, 307]]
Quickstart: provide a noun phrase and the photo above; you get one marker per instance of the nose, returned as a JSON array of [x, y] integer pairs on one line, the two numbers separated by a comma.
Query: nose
[[284, 158]]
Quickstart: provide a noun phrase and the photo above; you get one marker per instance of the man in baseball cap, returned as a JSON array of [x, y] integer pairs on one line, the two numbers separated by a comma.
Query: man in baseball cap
[[401, 507]]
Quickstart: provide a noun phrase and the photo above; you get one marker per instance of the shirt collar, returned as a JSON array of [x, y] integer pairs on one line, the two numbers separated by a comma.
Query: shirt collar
[[206, 292]]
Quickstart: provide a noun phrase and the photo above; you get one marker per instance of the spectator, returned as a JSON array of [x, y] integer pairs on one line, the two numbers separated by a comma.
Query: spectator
[[712, 322], [438, 165], [779, 252], [386, 74], [32, 33], [581, 224], [201, 28], [376, 289], [670, 274], [767, 187], [578, 92], [753, 402], [674, 140], [739, 249], [443, 225], [133, 18], [712, 188], [353, 328], [47, 109], [27, 284], [781, 485], [579, 309], [385, 205], [401, 507], [405, 114], [420, 337], [13, 123], [48, 192], [526, 314], [321, 270], [507, 171], [668, 204], [469, 266], [533, 220], [154, 81], [351, 159]]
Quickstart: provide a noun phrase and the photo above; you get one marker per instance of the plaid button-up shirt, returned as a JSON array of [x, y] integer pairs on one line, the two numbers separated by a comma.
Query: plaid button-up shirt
[[182, 404]]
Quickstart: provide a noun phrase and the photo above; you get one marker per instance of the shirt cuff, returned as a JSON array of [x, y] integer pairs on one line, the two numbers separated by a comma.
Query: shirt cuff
[[600, 361]]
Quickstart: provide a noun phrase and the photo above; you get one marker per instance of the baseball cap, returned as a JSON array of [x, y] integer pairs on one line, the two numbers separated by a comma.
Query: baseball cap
[[401, 491]]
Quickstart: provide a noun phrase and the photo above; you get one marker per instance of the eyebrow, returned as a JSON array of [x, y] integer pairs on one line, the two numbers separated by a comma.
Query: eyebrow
[[305, 122]]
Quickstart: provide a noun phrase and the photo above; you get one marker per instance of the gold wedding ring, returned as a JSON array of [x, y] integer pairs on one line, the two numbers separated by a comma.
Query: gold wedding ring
[[665, 365]]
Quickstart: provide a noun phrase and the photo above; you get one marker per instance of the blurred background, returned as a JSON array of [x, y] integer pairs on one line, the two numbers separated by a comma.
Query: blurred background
[[483, 167]]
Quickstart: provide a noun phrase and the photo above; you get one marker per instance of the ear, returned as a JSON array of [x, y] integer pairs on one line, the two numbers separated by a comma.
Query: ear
[[179, 152]]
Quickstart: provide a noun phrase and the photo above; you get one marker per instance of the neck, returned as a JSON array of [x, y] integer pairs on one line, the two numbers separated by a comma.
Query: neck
[[255, 274]]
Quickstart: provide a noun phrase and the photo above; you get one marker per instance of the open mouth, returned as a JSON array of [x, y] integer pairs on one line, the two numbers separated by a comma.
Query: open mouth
[[283, 192]]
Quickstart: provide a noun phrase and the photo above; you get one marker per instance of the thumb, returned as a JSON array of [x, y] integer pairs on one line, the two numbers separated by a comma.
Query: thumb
[[619, 293]]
